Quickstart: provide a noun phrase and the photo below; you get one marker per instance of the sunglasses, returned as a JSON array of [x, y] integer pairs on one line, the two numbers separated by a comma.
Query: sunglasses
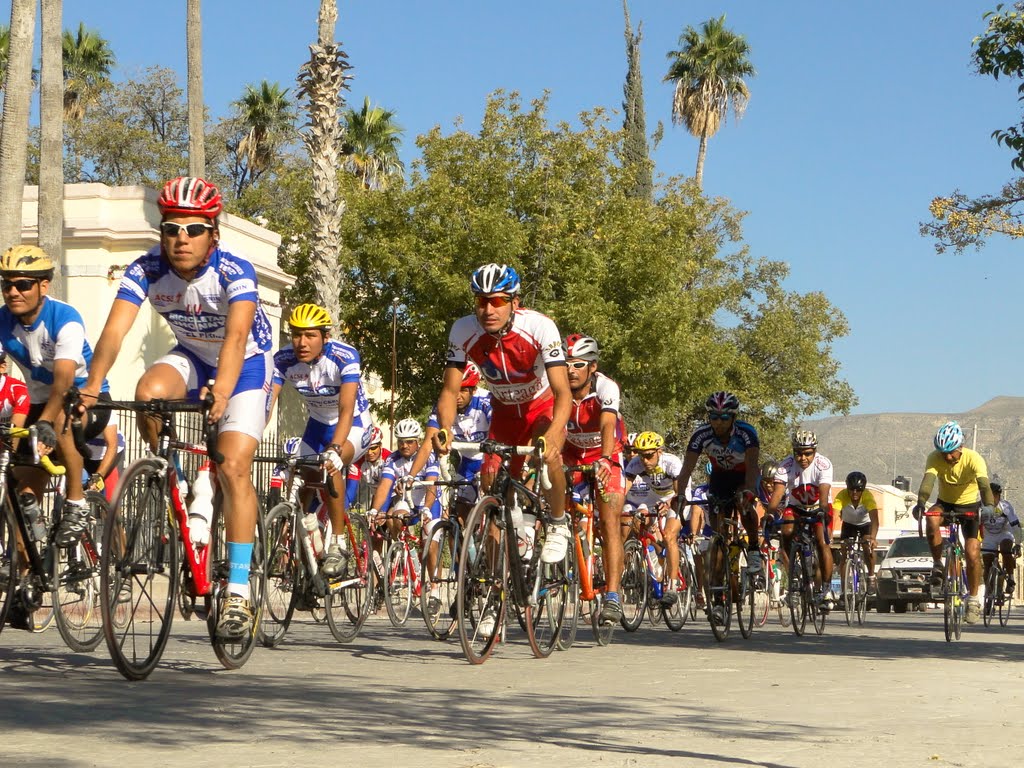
[[578, 364], [648, 455], [719, 416], [493, 301], [172, 229], [804, 454], [22, 286]]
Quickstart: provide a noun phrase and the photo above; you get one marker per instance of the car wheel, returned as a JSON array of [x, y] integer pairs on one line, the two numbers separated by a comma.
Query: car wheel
[[900, 607], [883, 606]]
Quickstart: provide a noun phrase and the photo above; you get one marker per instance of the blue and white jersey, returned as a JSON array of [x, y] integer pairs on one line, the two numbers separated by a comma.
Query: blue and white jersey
[[197, 310], [729, 456], [58, 333], [471, 425], [397, 466], [319, 382]]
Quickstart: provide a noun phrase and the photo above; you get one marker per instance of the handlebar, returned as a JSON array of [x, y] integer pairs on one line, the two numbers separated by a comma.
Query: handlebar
[[508, 451], [19, 433]]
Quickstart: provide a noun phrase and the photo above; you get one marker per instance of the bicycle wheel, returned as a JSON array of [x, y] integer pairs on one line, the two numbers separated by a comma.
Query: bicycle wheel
[[283, 574], [437, 596], [397, 583], [571, 615], [544, 620], [483, 575], [138, 571], [687, 594], [780, 596], [719, 600], [952, 603], [849, 589], [745, 600], [602, 632], [9, 566], [797, 592], [861, 582], [234, 652], [634, 586], [1005, 604], [817, 609], [348, 596], [76, 582]]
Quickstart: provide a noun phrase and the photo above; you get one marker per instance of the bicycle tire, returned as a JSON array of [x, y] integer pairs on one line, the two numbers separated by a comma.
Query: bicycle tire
[[483, 579], [781, 606], [139, 571], [634, 588], [602, 632], [797, 592], [571, 617], [441, 585], [687, 594], [719, 583], [817, 610], [745, 599], [347, 603], [283, 568], [849, 589], [9, 565], [398, 582], [988, 609], [951, 599], [232, 653], [76, 588], [1005, 604], [862, 593], [544, 620]]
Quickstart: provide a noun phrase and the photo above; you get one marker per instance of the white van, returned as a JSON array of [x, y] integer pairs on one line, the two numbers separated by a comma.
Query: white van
[[903, 576]]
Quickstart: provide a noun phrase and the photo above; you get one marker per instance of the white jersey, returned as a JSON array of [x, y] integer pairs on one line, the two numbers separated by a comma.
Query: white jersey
[[472, 424], [319, 382], [653, 486], [397, 467], [804, 486], [197, 309], [999, 525]]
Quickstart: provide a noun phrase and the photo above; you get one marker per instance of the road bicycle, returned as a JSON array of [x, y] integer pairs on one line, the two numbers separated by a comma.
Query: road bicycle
[[954, 589], [33, 567], [855, 580], [498, 565], [776, 577], [726, 576], [997, 598], [805, 586], [148, 562], [642, 586], [294, 579]]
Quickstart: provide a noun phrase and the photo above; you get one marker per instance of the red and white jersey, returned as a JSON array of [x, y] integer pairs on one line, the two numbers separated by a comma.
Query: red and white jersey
[[13, 398], [515, 364], [583, 430], [804, 486]]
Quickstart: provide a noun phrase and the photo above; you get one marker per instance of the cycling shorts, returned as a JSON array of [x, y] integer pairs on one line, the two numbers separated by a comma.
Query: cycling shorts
[[517, 425], [96, 419], [615, 484], [318, 436], [967, 515], [849, 530], [247, 406]]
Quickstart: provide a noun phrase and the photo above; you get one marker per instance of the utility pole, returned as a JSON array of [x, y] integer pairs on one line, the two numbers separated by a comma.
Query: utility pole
[[974, 439]]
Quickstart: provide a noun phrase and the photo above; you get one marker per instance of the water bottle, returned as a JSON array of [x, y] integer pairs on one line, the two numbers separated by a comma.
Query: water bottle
[[378, 564], [201, 511], [528, 542], [584, 544], [653, 562], [519, 524], [33, 516], [182, 484], [414, 554], [316, 537]]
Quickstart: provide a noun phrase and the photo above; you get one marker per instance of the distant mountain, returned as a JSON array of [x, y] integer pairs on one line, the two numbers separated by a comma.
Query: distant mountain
[[868, 442]]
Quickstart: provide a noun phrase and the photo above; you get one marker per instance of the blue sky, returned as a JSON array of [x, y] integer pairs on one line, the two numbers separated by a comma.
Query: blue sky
[[860, 113]]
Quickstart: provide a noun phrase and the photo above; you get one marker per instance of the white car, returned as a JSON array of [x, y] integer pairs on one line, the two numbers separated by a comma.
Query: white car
[[903, 576]]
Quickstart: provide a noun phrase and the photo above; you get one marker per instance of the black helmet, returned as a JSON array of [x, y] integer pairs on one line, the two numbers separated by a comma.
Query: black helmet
[[856, 481], [996, 486]]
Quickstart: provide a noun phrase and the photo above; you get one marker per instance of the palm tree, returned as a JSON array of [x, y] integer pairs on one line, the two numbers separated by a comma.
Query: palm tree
[[370, 145], [14, 138], [87, 64], [50, 215], [321, 81], [267, 113], [196, 109], [5, 43], [708, 71]]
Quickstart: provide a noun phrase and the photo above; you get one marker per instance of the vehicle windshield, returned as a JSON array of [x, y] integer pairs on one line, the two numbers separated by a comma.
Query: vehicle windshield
[[911, 546]]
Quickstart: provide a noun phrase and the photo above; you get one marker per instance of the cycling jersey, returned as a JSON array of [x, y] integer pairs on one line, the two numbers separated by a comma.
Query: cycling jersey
[[583, 430], [366, 471], [14, 398], [471, 425], [856, 515], [58, 333], [998, 525], [320, 381], [729, 457], [513, 364], [97, 446], [958, 483], [653, 486], [197, 309], [397, 467], [804, 485]]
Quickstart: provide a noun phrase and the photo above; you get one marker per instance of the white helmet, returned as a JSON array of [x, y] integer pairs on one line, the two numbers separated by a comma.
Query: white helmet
[[408, 429]]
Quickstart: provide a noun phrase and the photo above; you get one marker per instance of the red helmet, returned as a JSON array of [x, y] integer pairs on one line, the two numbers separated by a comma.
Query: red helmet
[[190, 196], [471, 375], [376, 436]]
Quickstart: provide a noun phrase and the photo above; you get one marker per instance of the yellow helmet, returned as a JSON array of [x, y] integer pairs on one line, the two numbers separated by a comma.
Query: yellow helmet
[[310, 316], [648, 441], [26, 260]]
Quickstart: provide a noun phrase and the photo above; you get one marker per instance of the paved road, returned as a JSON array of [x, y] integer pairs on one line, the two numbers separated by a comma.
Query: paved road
[[893, 693]]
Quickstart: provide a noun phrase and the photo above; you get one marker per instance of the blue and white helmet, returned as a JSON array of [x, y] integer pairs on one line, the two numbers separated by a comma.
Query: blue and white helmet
[[949, 437], [495, 278]]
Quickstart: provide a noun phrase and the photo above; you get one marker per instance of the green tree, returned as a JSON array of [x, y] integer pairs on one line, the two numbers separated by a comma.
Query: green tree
[[959, 221], [88, 61], [708, 71], [370, 145], [634, 125], [268, 119]]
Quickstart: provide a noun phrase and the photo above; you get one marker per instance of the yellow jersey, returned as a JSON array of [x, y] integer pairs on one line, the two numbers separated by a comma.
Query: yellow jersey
[[958, 483], [855, 515]]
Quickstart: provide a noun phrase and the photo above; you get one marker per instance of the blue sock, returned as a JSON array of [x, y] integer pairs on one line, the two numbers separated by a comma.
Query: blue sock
[[239, 558], [611, 597]]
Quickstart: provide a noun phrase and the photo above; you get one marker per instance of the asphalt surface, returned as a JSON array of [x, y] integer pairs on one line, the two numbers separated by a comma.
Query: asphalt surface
[[892, 693]]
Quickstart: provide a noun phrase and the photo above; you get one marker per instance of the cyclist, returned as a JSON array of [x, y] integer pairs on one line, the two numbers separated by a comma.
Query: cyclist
[[210, 300], [46, 338], [326, 373], [806, 479], [365, 471], [963, 477], [395, 478], [627, 448], [104, 459], [733, 448], [651, 480], [698, 525], [14, 399], [858, 511], [998, 536], [594, 435]]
